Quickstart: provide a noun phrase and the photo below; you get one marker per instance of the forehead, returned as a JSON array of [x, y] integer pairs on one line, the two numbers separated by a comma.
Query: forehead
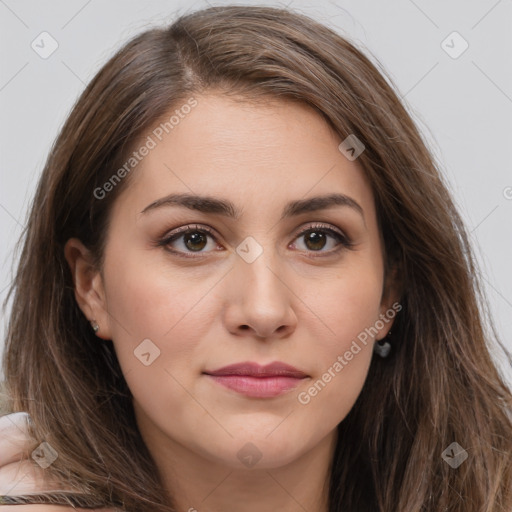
[[265, 150]]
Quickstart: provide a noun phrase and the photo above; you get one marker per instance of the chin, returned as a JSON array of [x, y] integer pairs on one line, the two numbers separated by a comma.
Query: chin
[[258, 451]]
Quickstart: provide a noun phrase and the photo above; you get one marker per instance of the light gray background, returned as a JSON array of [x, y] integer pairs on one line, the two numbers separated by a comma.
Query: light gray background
[[462, 105]]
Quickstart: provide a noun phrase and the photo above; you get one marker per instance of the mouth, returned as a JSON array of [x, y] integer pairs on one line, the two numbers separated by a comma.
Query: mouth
[[256, 381]]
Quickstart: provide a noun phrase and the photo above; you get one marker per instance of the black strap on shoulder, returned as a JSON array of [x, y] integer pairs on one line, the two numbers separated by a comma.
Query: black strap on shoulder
[[61, 498]]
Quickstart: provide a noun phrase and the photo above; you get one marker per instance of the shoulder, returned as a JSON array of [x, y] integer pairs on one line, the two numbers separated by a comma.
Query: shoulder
[[19, 475], [14, 439]]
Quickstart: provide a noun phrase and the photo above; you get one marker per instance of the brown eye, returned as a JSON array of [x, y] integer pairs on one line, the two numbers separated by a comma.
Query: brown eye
[[188, 239], [317, 238], [195, 240]]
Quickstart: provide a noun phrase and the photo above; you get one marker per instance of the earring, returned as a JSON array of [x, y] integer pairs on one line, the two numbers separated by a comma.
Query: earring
[[383, 347], [95, 326]]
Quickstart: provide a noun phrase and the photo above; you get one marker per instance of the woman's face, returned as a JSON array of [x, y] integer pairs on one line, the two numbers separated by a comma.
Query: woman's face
[[255, 290]]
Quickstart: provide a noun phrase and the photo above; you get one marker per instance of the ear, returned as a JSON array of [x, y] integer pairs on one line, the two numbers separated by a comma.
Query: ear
[[88, 286], [390, 305]]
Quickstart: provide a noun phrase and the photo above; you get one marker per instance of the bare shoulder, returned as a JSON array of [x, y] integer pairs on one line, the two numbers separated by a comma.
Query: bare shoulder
[[19, 475], [24, 478], [14, 438]]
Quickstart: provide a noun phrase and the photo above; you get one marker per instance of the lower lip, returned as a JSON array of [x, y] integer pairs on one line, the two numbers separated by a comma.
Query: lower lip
[[257, 387]]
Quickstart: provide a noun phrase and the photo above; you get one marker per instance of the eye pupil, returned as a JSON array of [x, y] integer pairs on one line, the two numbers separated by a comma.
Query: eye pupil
[[316, 237], [195, 237]]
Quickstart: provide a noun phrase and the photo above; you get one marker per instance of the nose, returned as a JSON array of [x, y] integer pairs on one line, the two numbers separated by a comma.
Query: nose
[[260, 300]]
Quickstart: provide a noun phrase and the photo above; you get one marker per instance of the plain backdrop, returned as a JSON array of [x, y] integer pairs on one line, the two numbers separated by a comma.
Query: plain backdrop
[[461, 99]]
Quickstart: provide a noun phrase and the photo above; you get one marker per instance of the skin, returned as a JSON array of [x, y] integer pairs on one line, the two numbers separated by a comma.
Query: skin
[[295, 303]]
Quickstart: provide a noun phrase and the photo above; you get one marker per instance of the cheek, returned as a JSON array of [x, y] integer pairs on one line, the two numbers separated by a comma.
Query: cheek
[[156, 302], [330, 395], [341, 359], [348, 304], [155, 312], [147, 294], [349, 307]]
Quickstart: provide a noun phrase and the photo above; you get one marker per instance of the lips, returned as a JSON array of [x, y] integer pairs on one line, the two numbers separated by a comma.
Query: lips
[[254, 380], [248, 369]]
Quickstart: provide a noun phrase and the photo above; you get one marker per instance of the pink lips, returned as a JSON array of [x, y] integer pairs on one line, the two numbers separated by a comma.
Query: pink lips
[[254, 380]]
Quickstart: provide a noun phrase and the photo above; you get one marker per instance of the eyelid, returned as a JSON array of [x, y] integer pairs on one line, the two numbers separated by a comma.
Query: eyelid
[[320, 226]]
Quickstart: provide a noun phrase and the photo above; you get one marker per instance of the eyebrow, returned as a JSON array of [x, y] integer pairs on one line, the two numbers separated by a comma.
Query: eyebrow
[[224, 207]]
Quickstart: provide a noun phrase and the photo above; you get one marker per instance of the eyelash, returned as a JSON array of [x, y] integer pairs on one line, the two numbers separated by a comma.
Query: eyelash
[[344, 241]]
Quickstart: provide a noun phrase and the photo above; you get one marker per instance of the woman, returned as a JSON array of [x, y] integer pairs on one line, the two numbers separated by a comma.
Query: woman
[[244, 286]]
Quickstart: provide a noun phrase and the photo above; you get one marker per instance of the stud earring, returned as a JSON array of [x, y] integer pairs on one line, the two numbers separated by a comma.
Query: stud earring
[[383, 347], [95, 326]]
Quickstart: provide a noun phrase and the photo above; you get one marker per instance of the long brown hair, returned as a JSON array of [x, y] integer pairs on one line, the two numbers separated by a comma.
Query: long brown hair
[[439, 386]]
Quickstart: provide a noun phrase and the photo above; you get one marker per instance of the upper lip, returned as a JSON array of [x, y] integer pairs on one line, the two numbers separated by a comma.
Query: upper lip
[[275, 369]]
